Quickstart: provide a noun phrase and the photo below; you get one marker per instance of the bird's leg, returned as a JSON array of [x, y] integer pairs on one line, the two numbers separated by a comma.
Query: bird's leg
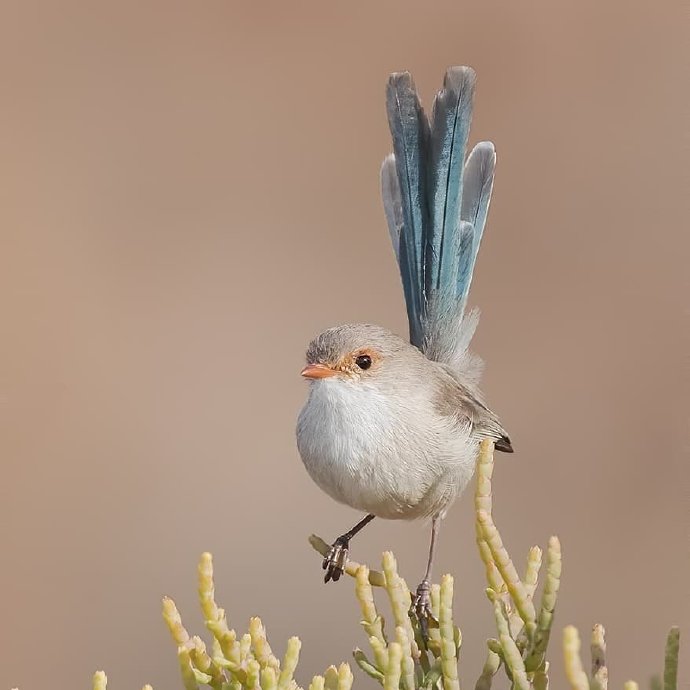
[[421, 605], [335, 560]]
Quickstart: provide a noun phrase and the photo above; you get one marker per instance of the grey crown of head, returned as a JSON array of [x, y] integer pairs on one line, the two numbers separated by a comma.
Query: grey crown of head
[[334, 343]]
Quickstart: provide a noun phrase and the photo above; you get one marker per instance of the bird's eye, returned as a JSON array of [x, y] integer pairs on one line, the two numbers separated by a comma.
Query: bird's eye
[[363, 361]]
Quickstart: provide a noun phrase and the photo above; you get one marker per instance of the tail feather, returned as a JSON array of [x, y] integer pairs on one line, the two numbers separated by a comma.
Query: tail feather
[[465, 260], [410, 131], [476, 196], [478, 183], [392, 203], [436, 205], [450, 129]]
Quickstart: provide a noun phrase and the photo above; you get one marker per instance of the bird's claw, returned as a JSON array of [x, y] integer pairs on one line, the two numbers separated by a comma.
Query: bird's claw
[[335, 560], [421, 609]]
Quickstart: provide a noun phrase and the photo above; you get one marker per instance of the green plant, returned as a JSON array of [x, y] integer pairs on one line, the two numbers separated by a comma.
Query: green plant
[[399, 659]]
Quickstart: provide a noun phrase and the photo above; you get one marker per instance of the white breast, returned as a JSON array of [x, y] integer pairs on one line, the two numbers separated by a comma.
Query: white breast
[[393, 456]]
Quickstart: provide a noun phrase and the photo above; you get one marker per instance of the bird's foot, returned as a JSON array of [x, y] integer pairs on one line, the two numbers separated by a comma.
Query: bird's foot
[[336, 559], [421, 609]]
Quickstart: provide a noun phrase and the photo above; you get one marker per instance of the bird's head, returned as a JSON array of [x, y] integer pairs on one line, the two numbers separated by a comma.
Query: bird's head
[[355, 352]]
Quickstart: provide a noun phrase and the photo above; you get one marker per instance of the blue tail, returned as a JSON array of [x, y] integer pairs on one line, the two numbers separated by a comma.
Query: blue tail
[[436, 204]]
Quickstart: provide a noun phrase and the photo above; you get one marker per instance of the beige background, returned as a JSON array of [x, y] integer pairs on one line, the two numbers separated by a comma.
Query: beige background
[[189, 193]]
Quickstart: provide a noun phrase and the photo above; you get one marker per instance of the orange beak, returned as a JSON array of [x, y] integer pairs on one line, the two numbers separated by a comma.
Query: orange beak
[[317, 371]]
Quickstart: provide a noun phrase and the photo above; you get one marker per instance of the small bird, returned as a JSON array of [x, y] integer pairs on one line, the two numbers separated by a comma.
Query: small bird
[[392, 428]]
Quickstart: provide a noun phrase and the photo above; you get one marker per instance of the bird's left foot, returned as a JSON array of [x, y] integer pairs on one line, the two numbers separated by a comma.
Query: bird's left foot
[[336, 559], [421, 609]]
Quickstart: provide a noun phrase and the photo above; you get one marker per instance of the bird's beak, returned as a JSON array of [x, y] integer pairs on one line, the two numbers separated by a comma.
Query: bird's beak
[[317, 371]]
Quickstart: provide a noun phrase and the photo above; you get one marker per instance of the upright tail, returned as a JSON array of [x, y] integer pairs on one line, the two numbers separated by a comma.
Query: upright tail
[[436, 203]]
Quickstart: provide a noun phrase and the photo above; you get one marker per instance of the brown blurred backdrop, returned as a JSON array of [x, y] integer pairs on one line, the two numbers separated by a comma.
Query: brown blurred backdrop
[[189, 193]]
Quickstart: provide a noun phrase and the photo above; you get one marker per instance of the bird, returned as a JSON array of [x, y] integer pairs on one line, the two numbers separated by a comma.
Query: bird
[[392, 427]]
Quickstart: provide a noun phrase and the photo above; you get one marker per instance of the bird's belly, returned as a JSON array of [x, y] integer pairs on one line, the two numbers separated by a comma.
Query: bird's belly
[[368, 478], [379, 461]]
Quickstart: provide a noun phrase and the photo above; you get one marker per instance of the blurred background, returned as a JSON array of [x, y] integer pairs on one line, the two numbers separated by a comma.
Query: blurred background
[[189, 193]]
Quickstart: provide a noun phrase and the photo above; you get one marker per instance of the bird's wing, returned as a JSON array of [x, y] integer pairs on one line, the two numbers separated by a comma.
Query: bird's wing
[[462, 402]]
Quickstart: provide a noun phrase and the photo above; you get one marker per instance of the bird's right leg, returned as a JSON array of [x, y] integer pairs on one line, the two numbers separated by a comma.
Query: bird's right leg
[[335, 560], [421, 602]]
